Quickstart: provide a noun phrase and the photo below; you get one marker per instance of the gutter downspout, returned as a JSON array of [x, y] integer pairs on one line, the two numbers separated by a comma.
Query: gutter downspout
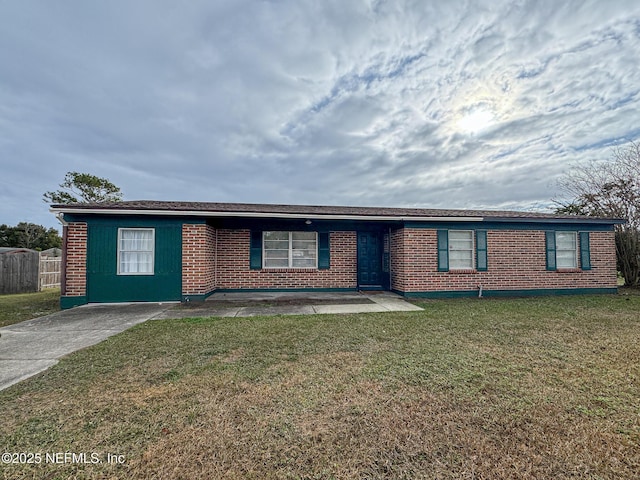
[[60, 217]]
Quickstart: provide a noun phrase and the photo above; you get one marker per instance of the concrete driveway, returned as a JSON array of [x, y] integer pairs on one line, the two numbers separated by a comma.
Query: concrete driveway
[[32, 346]]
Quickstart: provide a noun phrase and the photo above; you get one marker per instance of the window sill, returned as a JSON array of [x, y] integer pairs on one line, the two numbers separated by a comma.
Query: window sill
[[568, 270], [463, 271]]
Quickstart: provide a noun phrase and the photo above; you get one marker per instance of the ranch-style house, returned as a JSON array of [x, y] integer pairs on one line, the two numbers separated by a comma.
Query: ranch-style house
[[155, 251]]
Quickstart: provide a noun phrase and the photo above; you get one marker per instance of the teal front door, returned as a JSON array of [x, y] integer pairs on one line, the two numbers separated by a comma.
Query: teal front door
[[369, 261]]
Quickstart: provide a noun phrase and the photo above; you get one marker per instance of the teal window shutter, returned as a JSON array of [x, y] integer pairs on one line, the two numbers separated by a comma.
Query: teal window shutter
[[443, 251], [255, 254], [585, 251], [324, 260], [481, 251], [551, 250]]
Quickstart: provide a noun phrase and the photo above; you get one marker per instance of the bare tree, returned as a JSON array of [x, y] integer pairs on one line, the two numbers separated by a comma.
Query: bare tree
[[610, 189]]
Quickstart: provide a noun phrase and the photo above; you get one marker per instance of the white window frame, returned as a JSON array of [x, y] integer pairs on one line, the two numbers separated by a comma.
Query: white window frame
[[473, 250], [290, 258], [574, 250], [121, 251]]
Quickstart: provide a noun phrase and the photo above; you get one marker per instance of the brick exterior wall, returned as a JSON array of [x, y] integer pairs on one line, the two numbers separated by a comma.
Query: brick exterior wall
[[234, 273], [198, 259], [219, 259], [516, 259], [75, 263], [396, 260]]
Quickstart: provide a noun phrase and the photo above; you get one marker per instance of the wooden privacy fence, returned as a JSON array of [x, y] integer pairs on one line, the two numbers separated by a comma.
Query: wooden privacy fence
[[28, 271], [50, 272]]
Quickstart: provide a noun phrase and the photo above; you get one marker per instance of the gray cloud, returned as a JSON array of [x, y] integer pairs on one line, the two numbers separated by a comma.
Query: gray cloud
[[357, 102]]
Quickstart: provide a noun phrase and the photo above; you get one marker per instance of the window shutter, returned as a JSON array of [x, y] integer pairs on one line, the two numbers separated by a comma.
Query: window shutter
[[551, 250], [481, 251], [255, 253], [324, 260], [585, 251], [443, 251]]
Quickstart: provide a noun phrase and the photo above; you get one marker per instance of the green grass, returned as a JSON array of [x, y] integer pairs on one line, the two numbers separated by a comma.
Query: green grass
[[485, 389], [24, 306]]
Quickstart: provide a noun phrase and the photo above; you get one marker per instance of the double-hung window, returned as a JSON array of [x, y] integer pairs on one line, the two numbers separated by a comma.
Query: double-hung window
[[290, 250], [136, 247], [461, 250], [566, 250]]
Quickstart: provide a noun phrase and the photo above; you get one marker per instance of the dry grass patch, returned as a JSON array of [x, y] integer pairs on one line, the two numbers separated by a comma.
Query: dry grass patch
[[528, 388]]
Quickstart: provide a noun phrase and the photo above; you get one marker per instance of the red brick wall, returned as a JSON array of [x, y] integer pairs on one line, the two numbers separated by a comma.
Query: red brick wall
[[75, 265], [397, 260], [198, 259], [517, 261], [233, 265]]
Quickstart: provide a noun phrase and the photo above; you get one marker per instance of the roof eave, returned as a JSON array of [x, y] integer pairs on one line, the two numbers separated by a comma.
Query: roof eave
[[309, 216], [320, 216], [597, 220]]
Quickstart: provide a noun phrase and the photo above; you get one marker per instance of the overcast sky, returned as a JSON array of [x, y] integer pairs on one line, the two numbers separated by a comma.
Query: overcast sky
[[348, 102]]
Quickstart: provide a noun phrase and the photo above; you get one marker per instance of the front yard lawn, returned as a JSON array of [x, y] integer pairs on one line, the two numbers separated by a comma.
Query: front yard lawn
[[24, 306], [477, 389]]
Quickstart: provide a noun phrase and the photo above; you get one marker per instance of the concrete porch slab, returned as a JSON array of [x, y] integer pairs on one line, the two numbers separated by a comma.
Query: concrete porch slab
[[249, 304], [288, 297], [393, 302], [275, 310], [364, 308]]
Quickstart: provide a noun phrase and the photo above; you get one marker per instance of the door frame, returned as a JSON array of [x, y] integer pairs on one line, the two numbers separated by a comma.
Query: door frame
[[385, 276]]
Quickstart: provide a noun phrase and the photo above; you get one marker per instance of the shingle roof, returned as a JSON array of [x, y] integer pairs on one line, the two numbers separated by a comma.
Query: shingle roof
[[228, 209]]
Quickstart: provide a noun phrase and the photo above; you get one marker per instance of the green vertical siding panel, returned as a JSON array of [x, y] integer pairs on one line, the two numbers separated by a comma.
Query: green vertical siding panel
[[443, 251], [481, 251], [105, 285], [255, 254], [585, 251], [551, 250], [168, 263], [324, 250], [101, 262]]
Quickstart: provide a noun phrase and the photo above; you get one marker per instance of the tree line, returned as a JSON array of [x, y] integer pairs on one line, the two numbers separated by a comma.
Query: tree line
[[29, 235]]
